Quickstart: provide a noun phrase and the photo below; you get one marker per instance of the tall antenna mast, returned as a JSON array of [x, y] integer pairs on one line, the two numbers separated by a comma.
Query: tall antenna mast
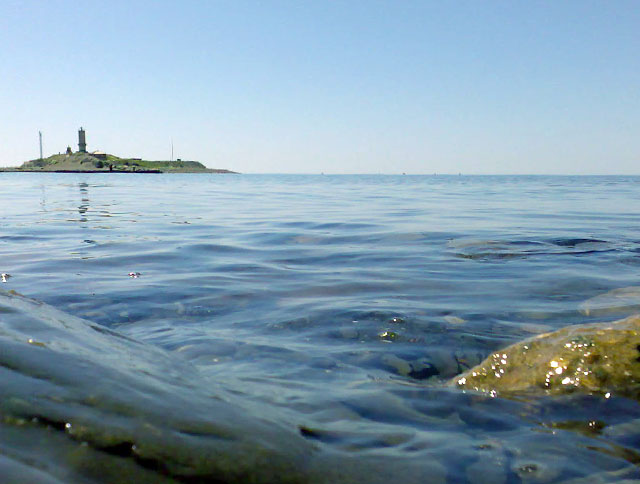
[[40, 135], [171, 149]]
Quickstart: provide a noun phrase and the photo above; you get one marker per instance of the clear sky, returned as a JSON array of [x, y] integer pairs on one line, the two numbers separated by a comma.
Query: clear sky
[[334, 86]]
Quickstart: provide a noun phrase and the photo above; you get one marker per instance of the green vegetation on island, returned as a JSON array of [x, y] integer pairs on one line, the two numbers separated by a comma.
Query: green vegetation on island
[[102, 162]]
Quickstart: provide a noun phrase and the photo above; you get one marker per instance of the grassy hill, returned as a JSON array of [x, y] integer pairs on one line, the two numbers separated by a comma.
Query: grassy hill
[[86, 162]]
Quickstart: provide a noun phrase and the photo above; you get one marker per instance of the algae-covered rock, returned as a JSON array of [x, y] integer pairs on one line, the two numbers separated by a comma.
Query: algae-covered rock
[[598, 358]]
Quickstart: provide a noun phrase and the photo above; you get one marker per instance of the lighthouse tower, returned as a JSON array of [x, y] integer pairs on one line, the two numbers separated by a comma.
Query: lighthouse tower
[[82, 144]]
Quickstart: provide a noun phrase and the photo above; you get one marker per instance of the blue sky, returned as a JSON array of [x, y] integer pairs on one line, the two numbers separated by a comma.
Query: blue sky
[[328, 86]]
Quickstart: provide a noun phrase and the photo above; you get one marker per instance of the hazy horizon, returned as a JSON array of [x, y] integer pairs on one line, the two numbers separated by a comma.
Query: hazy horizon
[[338, 87]]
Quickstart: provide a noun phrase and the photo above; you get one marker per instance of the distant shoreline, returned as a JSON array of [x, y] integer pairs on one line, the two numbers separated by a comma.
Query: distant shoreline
[[17, 170], [98, 162], [141, 172]]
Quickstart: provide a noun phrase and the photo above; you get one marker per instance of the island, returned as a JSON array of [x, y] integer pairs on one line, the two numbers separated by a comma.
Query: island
[[89, 163], [82, 161]]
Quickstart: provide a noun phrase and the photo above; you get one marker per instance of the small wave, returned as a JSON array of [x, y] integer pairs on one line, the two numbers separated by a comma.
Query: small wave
[[511, 249], [572, 243]]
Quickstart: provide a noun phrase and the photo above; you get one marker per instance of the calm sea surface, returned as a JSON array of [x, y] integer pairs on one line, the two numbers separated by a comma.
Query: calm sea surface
[[339, 307]]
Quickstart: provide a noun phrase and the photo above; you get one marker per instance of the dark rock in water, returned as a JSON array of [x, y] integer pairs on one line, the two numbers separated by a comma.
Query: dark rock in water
[[597, 358]]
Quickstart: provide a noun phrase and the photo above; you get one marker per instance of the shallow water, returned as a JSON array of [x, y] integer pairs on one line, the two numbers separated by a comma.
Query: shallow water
[[330, 308]]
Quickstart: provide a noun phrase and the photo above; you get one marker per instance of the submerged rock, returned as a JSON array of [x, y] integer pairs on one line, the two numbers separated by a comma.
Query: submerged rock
[[597, 358], [128, 400], [620, 301], [82, 403]]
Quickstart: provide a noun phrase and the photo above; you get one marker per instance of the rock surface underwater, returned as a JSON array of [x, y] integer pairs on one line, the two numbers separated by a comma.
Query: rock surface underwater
[[82, 403]]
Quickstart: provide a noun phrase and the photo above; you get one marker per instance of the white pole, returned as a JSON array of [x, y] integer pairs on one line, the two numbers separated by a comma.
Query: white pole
[[40, 135]]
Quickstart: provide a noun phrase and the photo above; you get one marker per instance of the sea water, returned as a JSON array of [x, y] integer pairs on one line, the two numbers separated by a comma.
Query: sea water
[[333, 308]]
